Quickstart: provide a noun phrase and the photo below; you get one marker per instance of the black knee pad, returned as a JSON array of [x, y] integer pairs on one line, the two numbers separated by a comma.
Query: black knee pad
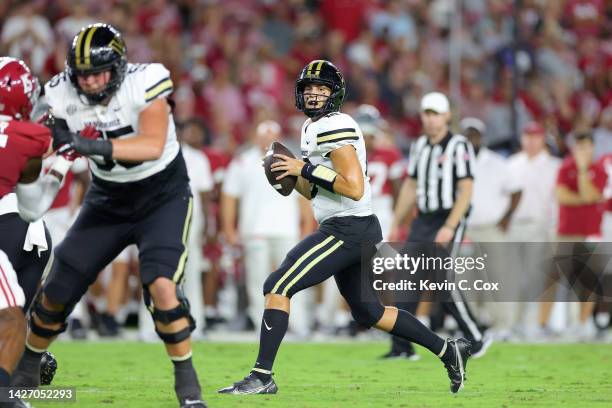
[[48, 317], [172, 315], [367, 314]]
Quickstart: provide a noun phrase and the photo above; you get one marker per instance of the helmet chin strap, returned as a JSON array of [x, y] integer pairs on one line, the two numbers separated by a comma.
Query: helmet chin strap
[[99, 98], [318, 112]]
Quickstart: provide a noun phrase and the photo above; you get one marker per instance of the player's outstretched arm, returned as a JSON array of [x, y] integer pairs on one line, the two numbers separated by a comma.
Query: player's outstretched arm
[[35, 195]]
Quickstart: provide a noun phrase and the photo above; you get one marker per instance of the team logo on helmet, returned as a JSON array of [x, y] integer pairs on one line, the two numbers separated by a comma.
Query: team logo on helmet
[[19, 89]]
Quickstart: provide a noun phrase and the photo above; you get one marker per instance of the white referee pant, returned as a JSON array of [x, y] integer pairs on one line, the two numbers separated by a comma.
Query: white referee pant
[[500, 315], [262, 255], [527, 258]]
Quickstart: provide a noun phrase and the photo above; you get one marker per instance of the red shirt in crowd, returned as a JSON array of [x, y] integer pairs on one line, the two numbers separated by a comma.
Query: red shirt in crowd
[[384, 165], [606, 162], [582, 220], [584, 17]]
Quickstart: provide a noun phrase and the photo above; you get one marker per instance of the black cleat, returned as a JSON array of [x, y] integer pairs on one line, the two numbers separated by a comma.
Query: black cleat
[[108, 326], [410, 355], [27, 374], [196, 402], [251, 385], [77, 330], [48, 367], [456, 361], [479, 348]]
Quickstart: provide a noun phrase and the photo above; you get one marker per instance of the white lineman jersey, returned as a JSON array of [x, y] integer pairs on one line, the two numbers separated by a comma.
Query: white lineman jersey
[[318, 140], [143, 83]]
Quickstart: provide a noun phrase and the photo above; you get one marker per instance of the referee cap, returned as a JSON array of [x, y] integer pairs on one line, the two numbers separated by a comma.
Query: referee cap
[[435, 101], [473, 123]]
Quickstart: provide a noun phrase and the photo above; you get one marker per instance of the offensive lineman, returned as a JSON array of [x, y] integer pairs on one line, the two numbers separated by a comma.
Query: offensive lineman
[[139, 195], [333, 176], [25, 244]]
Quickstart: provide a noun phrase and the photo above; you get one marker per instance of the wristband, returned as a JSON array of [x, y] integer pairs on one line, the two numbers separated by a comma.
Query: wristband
[[450, 227], [320, 175], [88, 147], [61, 166]]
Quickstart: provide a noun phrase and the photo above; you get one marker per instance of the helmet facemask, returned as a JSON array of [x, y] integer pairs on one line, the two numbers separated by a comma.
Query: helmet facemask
[[117, 74], [312, 112]]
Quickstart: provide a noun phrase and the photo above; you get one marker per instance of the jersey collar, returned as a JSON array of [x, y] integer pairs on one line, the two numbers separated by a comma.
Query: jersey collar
[[442, 143]]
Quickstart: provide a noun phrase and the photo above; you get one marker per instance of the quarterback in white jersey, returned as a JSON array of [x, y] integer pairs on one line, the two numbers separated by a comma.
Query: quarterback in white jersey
[[319, 139], [117, 115], [333, 176]]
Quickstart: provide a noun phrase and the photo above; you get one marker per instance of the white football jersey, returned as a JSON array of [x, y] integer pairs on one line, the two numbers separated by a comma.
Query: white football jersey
[[143, 83], [319, 139]]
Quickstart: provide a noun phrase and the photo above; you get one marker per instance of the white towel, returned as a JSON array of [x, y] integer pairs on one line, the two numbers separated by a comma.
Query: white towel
[[36, 230], [36, 237]]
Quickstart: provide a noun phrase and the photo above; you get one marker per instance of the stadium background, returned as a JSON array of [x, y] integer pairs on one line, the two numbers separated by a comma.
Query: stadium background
[[234, 62]]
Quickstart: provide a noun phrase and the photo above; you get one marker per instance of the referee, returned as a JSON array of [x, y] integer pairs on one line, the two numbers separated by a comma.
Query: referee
[[440, 170]]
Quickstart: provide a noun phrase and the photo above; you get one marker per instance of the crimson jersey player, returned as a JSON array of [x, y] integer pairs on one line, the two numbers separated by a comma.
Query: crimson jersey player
[[385, 165], [24, 197]]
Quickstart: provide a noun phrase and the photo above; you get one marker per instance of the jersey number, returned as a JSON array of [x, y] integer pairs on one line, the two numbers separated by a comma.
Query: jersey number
[[55, 81], [378, 173]]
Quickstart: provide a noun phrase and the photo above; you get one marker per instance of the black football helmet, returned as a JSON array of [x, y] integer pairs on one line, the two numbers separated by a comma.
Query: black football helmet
[[324, 73], [96, 48]]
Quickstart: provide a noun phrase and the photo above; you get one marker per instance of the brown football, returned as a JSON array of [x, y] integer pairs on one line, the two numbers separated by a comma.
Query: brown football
[[286, 185]]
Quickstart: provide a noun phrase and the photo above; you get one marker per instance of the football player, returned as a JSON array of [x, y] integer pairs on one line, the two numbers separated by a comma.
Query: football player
[[332, 174], [139, 195], [25, 244]]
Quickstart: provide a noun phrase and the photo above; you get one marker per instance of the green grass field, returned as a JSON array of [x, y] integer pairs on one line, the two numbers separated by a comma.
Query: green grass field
[[340, 375]]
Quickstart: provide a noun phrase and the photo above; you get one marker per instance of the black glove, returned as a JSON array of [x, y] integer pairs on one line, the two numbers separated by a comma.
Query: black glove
[[92, 147], [59, 131]]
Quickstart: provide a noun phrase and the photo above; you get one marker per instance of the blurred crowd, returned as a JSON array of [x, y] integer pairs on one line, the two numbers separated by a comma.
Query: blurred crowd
[[234, 63]]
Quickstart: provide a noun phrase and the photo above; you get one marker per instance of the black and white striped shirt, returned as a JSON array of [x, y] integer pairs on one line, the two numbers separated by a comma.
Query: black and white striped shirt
[[437, 168]]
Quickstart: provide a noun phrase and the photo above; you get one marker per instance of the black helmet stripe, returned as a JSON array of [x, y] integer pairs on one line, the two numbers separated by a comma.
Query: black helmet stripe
[[87, 47]]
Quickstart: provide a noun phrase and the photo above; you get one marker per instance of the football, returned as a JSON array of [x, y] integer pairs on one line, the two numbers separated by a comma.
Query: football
[[287, 184]]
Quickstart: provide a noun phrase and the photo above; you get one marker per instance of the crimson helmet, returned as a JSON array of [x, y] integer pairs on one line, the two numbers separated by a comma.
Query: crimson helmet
[[19, 89]]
